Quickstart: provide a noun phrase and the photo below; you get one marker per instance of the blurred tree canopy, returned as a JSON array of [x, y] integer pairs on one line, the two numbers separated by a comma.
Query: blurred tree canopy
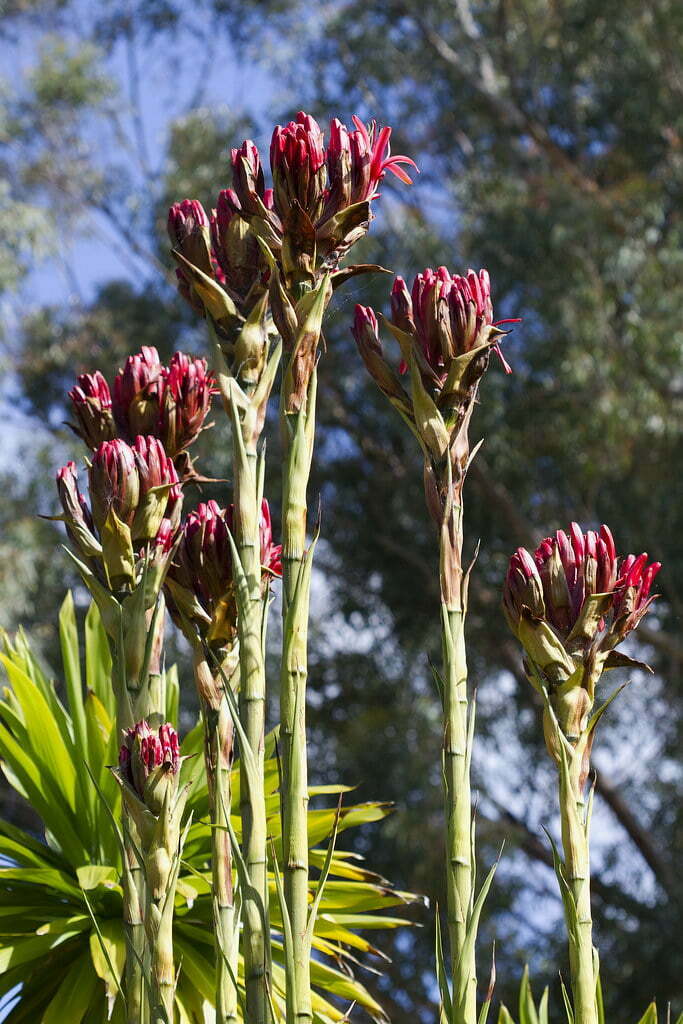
[[550, 141]]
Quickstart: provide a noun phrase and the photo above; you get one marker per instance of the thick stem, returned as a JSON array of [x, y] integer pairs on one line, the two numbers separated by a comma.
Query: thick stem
[[139, 696], [218, 755], [456, 760], [252, 709], [163, 971], [140, 704], [133, 884], [459, 871], [577, 871], [296, 595]]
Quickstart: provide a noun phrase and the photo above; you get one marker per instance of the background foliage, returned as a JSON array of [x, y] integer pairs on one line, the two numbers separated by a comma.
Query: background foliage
[[550, 139]]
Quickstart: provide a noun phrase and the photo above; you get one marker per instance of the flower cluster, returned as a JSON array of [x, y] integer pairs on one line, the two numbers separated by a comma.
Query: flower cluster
[[448, 316], [199, 583], [134, 510], [147, 751], [324, 181], [318, 207], [570, 605], [149, 776], [445, 330], [577, 584], [168, 402]]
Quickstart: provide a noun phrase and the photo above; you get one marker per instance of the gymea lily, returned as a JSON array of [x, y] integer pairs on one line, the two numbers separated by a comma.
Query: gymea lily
[[570, 604], [445, 331]]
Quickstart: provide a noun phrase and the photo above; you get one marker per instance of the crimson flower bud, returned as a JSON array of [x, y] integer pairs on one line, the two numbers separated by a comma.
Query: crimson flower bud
[[137, 393], [114, 483], [632, 592], [93, 408], [338, 159], [402, 306], [237, 250], [297, 162], [77, 517], [188, 229], [448, 316], [147, 756], [187, 389], [247, 177], [570, 606], [523, 589], [572, 569], [366, 333], [585, 592], [165, 536], [160, 493], [199, 581]]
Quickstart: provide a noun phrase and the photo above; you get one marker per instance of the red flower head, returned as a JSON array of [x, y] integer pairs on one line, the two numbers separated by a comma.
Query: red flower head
[[203, 561], [188, 229], [92, 404], [160, 491], [364, 324], [186, 219], [632, 592], [570, 606], [238, 253], [135, 507], [137, 393]]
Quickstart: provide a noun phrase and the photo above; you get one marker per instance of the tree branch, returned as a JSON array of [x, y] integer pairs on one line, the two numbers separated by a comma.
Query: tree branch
[[637, 832], [483, 79]]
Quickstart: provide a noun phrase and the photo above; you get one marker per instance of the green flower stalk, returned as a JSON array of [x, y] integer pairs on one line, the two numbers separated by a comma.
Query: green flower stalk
[[247, 362], [321, 206], [221, 272], [123, 542], [149, 763], [446, 333], [206, 605], [200, 598], [570, 605]]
